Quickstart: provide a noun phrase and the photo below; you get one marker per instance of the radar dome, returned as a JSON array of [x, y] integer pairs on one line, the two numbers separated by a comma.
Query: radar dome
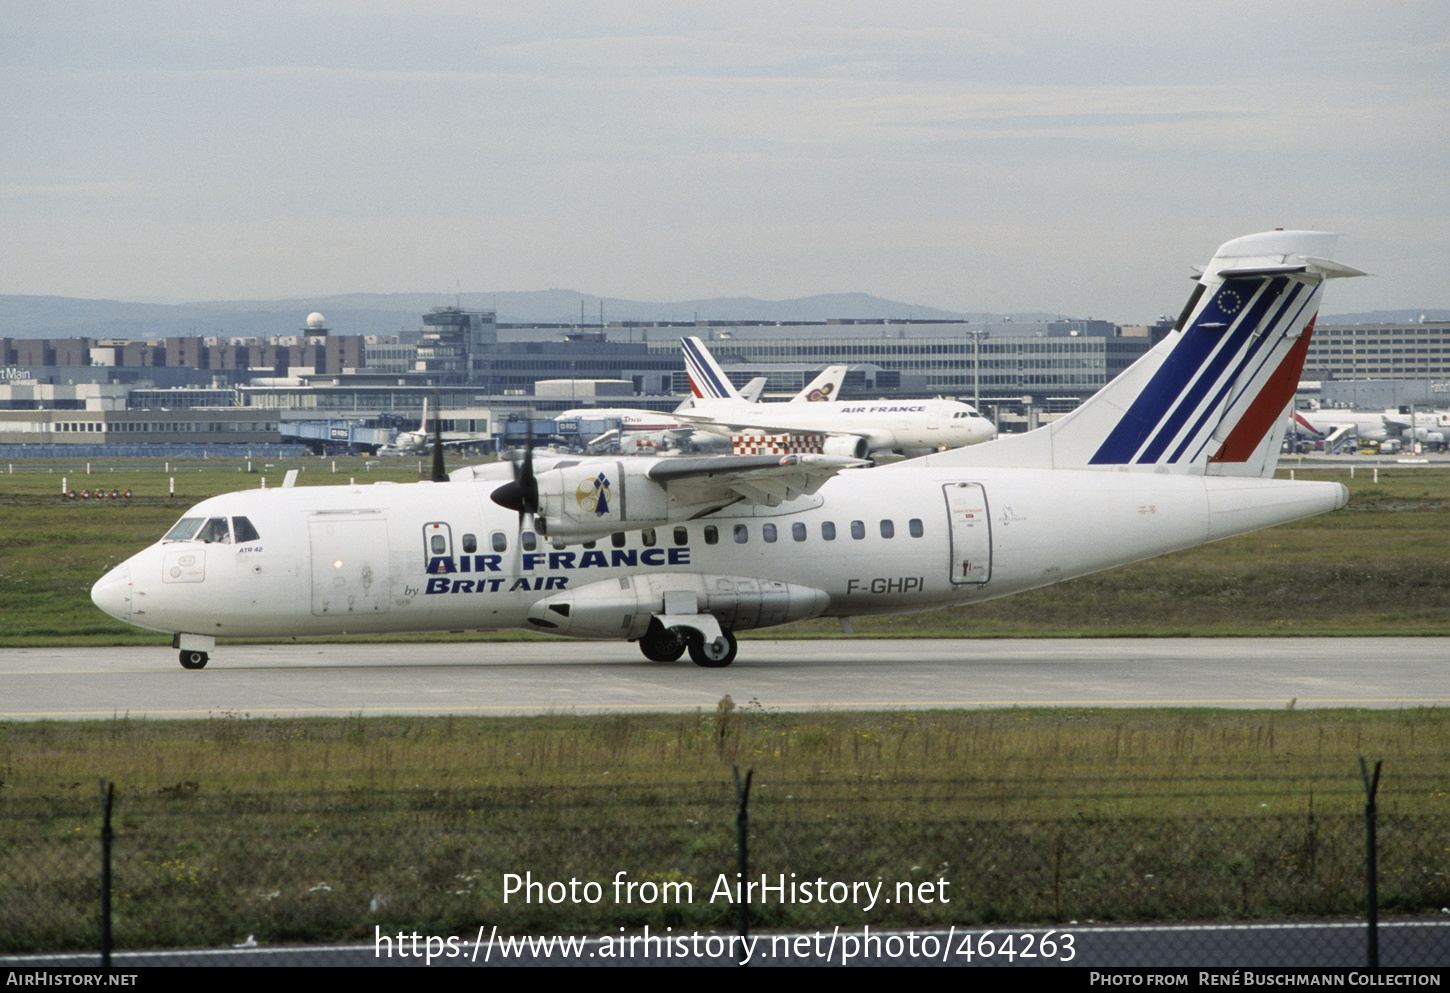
[[316, 320]]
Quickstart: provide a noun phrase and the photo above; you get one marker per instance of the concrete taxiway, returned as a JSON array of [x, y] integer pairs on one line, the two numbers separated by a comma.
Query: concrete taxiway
[[277, 680]]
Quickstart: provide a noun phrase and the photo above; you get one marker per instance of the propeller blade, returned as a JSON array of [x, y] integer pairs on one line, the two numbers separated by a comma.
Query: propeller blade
[[440, 473], [526, 481]]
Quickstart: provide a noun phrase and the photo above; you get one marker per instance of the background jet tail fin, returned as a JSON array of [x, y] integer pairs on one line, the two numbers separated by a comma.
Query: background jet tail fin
[[1210, 398], [826, 386], [707, 379], [751, 391]]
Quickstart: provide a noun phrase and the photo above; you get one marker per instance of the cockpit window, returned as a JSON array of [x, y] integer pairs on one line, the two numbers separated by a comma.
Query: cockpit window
[[185, 529], [215, 530], [212, 529]]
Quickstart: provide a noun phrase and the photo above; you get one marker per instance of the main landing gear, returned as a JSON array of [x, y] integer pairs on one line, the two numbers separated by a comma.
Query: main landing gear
[[662, 644], [193, 660], [716, 654]]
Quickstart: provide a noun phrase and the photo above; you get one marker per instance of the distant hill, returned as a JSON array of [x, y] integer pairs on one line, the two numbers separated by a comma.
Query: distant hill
[[371, 313]]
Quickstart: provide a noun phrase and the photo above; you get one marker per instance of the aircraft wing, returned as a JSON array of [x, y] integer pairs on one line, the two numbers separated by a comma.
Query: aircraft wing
[[766, 479]]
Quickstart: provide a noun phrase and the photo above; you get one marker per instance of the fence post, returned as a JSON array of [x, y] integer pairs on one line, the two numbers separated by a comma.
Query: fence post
[[1371, 867], [108, 793], [742, 859]]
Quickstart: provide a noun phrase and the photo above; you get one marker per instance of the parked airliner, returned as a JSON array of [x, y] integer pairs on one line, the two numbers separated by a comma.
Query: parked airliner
[[668, 433], [420, 441], [1430, 426], [854, 428], [679, 554]]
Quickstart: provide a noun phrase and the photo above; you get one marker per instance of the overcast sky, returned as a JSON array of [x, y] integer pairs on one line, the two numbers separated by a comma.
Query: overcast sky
[[1068, 157]]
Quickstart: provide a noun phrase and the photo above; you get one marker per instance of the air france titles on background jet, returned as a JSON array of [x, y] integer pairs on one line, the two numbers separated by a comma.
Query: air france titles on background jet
[[857, 429], [679, 554]]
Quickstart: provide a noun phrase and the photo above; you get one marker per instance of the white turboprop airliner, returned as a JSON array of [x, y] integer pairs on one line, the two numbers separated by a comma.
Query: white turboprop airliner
[[856, 429], [678, 554], [651, 429]]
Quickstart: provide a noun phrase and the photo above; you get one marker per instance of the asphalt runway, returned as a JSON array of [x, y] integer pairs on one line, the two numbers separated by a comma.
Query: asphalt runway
[[494, 678]]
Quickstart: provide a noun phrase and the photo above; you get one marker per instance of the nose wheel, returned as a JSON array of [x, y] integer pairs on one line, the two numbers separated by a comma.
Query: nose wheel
[[713, 654], [193, 659]]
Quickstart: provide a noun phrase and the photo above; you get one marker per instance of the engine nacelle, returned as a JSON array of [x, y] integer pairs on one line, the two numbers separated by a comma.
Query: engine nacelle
[[593, 499], [851, 446], [623, 608]]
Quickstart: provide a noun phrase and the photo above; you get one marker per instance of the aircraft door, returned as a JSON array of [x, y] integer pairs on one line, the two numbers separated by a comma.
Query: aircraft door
[[971, 533], [350, 572], [438, 547]]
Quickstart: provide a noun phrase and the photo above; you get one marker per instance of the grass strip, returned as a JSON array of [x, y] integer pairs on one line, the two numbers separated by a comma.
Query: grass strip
[[323, 829]]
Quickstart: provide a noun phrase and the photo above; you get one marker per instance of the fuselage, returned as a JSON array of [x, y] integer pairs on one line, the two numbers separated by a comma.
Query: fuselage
[[912, 425], [443, 556], [629, 418]]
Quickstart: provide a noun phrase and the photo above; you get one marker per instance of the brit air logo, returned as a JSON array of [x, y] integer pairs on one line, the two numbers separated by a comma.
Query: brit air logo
[[593, 495]]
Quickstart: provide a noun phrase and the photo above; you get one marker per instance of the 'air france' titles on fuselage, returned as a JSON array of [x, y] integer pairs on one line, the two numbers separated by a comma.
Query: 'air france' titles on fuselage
[[551, 561]]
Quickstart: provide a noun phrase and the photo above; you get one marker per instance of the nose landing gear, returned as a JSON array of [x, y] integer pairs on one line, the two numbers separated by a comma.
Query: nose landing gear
[[193, 660]]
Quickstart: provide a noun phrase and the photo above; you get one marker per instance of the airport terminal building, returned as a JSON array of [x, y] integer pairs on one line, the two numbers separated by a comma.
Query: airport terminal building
[[466, 359]]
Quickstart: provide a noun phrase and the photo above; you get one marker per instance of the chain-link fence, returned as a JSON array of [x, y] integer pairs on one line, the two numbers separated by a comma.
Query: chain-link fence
[[193, 870]]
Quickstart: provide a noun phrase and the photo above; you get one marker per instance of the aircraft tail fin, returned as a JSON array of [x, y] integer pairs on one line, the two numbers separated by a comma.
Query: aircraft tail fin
[[826, 386], [751, 391], [1210, 398], [707, 379]]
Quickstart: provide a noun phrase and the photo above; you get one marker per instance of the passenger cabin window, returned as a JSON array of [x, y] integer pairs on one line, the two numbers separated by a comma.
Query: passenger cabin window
[[712, 534], [470, 543], [647, 537], [498, 541], [742, 534], [682, 536], [858, 530], [798, 531], [888, 529], [242, 530], [828, 530], [438, 544], [916, 528], [767, 531], [617, 539], [529, 540]]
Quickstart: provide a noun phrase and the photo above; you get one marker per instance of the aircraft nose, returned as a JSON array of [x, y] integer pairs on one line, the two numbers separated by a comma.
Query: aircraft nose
[[112, 592]]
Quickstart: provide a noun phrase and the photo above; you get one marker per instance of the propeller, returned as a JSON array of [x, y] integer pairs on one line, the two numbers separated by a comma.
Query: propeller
[[440, 473], [521, 495]]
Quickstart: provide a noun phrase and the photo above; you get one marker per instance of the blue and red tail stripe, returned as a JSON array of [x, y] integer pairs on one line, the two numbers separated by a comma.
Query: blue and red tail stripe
[[1216, 350], [704, 380]]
